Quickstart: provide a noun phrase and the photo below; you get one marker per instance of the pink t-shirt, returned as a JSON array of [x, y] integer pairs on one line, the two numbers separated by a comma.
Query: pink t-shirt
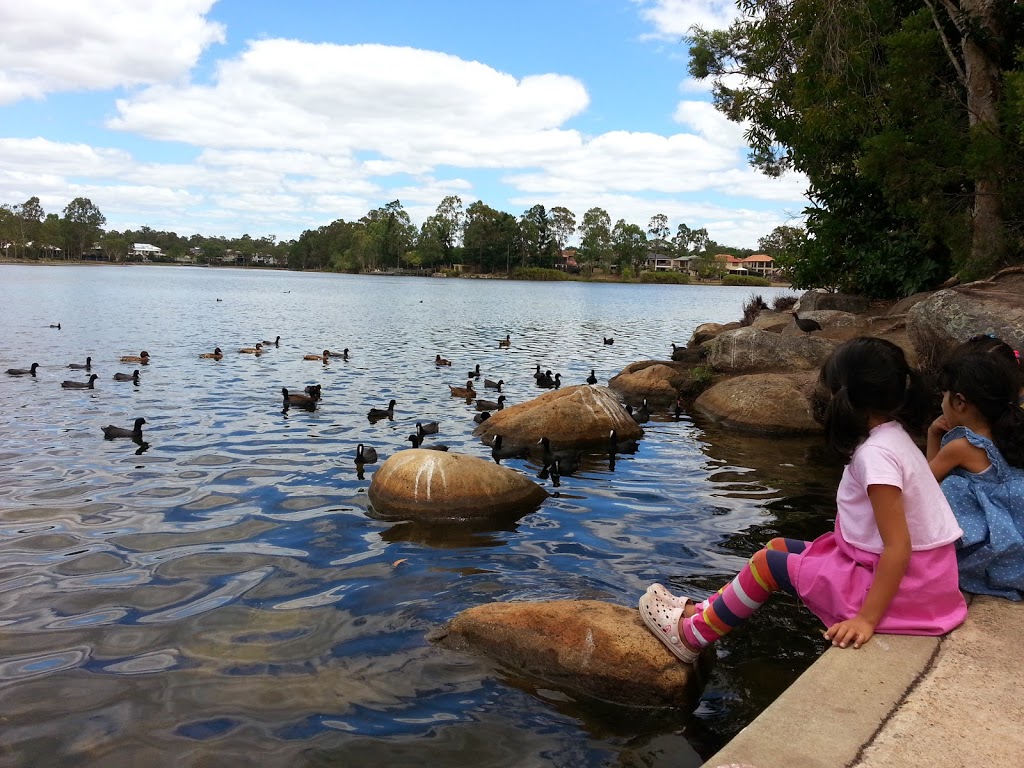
[[889, 457]]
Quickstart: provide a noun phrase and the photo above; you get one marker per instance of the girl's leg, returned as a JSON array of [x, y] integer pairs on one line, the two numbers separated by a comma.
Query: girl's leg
[[778, 544], [767, 572]]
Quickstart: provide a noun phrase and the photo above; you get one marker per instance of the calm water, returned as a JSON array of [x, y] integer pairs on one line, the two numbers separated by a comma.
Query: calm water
[[221, 594]]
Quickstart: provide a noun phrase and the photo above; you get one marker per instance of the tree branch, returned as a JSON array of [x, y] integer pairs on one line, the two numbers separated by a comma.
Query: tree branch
[[960, 74]]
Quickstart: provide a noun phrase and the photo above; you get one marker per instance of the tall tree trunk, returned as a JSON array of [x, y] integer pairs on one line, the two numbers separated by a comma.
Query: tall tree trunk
[[983, 82]]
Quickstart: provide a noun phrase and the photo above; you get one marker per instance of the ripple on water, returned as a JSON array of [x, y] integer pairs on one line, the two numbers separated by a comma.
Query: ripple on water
[[225, 591]]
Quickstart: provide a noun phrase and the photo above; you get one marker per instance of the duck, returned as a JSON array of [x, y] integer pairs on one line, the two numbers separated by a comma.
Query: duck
[[87, 365], [313, 390], [382, 413], [57, 326], [475, 373], [439, 361], [81, 384], [642, 414], [619, 446], [135, 433], [23, 371], [142, 358], [592, 378], [491, 384], [257, 350], [215, 355], [344, 354], [506, 342], [466, 391], [304, 400], [608, 340], [481, 417], [417, 442], [549, 455], [430, 428], [324, 358], [491, 405], [366, 454], [677, 412], [275, 343], [501, 451], [127, 376], [550, 382]]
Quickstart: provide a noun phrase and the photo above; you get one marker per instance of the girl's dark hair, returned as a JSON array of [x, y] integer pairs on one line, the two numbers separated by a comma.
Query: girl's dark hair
[[986, 343], [868, 376], [992, 385]]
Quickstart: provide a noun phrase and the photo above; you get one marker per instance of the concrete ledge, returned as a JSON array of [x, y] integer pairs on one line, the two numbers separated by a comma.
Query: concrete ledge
[[900, 701]]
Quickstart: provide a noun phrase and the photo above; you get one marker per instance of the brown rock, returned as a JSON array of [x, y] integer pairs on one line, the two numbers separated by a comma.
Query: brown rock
[[419, 484], [767, 403], [704, 332], [571, 417], [749, 350], [767, 320], [818, 299], [598, 649], [951, 316], [649, 379]]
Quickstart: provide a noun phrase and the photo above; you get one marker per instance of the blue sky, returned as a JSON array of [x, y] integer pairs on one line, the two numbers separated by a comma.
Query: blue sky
[[226, 117]]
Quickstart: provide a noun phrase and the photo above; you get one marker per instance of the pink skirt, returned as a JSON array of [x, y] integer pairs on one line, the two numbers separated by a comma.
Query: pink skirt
[[832, 577]]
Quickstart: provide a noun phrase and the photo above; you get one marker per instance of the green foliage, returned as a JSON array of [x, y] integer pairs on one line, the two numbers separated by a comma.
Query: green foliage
[[872, 100], [626, 273], [667, 278], [746, 280], [538, 273]]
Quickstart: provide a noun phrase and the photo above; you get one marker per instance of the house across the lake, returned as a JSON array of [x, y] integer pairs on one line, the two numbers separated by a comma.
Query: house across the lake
[[144, 251], [759, 264]]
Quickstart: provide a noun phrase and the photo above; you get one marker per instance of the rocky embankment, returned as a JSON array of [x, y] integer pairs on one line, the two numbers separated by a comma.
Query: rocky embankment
[[761, 377]]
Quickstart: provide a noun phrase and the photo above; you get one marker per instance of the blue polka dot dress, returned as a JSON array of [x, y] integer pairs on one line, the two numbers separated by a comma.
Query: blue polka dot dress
[[989, 506]]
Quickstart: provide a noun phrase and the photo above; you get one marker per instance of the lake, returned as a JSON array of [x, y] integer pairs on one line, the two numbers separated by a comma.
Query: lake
[[221, 594]]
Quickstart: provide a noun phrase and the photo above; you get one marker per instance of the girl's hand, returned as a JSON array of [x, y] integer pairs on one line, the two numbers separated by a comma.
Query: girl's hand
[[857, 630], [939, 427]]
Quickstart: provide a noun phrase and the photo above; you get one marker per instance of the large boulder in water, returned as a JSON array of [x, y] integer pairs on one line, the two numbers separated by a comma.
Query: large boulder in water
[[652, 379], [598, 649], [768, 403], [818, 299], [748, 350], [952, 316], [572, 417], [425, 485]]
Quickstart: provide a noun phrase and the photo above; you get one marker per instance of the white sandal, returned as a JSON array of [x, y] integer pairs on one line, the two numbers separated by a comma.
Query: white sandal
[[662, 617], [679, 601]]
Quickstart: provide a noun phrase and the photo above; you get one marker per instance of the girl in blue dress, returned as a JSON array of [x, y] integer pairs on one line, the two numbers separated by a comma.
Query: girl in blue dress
[[976, 451]]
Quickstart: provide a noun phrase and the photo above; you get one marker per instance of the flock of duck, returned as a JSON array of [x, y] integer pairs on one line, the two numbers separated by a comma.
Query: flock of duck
[[555, 463]]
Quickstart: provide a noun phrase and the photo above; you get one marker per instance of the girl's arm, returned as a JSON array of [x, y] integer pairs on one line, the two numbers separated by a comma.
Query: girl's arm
[[958, 453], [936, 430], [887, 503]]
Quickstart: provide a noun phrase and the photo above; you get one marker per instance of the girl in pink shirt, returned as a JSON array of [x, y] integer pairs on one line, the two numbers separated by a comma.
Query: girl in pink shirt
[[890, 563]]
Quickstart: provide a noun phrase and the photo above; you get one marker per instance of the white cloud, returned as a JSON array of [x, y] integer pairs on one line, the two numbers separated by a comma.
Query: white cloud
[[416, 109], [59, 45], [673, 19]]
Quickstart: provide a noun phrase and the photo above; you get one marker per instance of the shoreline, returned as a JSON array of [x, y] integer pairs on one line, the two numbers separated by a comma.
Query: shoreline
[[468, 276]]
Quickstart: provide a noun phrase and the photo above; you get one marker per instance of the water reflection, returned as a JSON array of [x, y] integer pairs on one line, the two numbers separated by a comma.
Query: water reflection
[[220, 590]]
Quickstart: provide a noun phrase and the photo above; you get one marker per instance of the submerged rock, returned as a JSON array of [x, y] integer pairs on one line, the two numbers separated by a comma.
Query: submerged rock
[[652, 379], [595, 648], [571, 417], [768, 403], [424, 485]]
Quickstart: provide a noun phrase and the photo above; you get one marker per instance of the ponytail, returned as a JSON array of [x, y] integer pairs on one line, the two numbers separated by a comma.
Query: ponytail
[[1008, 435], [845, 426]]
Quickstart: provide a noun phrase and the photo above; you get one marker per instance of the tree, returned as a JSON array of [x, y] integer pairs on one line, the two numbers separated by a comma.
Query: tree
[[538, 238], [595, 238], [82, 223], [491, 238], [892, 109], [563, 226], [629, 242], [391, 234]]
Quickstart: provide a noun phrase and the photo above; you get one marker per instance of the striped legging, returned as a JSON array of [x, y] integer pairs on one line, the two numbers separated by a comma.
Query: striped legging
[[768, 571]]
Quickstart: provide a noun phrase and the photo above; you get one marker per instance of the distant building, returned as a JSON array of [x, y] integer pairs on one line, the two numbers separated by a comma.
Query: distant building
[[144, 251], [657, 262], [566, 261], [759, 264]]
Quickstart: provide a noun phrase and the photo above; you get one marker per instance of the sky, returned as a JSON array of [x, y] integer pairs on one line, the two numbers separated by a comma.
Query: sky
[[231, 117]]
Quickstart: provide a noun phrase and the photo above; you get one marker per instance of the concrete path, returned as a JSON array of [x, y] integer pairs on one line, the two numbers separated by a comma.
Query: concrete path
[[948, 702]]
